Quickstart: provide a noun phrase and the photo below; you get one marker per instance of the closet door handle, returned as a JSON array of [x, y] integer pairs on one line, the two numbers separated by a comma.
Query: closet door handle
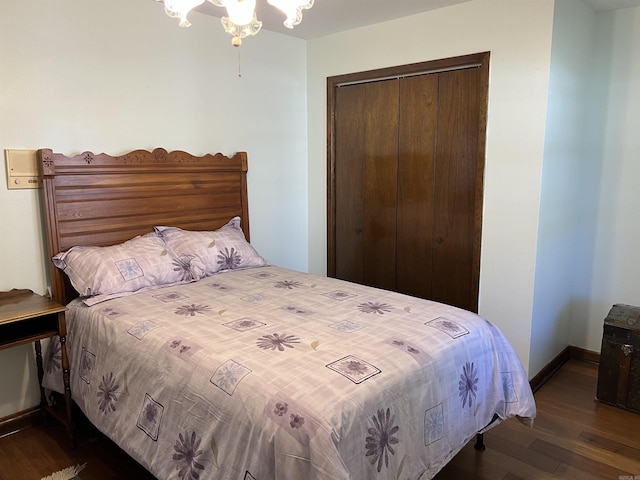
[[358, 230], [439, 240]]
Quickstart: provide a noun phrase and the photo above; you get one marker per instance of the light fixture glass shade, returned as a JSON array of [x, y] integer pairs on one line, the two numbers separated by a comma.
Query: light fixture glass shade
[[241, 31], [292, 9], [241, 21], [240, 12], [180, 9]]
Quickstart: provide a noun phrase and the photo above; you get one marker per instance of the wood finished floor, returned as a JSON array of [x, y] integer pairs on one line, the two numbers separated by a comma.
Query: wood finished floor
[[574, 437]]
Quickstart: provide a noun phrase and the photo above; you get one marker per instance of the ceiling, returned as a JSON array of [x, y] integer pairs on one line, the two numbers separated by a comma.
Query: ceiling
[[332, 16]]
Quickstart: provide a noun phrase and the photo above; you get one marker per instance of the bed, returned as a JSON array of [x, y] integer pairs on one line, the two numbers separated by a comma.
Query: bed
[[202, 360]]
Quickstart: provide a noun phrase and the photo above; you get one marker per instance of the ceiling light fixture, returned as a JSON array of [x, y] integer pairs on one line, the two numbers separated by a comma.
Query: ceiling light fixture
[[241, 19]]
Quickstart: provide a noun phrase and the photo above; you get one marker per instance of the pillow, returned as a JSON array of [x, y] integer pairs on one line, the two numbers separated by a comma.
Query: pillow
[[141, 263], [215, 251]]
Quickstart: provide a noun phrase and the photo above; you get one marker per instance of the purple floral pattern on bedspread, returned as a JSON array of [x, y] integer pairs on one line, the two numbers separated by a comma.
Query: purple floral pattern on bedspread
[[150, 417], [297, 310], [339, 295], [139, 330], [244, 324], [263, 274], [451, 328], [381, 438], [87, 362], [191, 310], [433, 424], [220, 286], [419, 354], [108, 393], [354, 369], [170, 296], [111, 312], [291, 418], [54, 358], [266, 373], [468, 384], [510, 395], [347, 326], [187, 450], [228, 375], [183, 347], [287, 284], [277, 342], [374, 307]]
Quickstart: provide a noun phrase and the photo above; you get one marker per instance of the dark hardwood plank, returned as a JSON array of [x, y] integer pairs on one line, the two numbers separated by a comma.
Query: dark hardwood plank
[[571, 458], [41, 450], [613, 446]]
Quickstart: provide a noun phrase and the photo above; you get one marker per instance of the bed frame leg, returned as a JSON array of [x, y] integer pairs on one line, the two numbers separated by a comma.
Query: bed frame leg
[[479, 445]]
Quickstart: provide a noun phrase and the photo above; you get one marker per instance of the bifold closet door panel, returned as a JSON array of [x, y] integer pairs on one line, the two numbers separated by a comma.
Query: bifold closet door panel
[[366, 183], [349, 182], [459, 102], [405, 177], [416, 140]]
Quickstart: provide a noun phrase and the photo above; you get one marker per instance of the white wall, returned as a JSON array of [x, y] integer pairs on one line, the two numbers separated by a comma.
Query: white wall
[[518, 34], [616, 68], [120, 75], [572, 163]]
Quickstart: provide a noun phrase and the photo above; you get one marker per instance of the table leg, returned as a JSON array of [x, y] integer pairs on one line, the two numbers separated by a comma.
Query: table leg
[[62, 332], [43, 398]]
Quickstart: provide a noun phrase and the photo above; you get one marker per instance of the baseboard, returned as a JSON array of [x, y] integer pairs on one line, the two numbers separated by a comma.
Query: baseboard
[[570, 352], [20, 421], [584, 355]]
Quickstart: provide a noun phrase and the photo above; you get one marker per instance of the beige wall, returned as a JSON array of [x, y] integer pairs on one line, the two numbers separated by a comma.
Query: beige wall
[[614, 275], [567, 210]]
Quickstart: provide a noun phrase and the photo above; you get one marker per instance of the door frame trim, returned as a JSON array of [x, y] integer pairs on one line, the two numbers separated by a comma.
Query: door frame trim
[[475, 60]]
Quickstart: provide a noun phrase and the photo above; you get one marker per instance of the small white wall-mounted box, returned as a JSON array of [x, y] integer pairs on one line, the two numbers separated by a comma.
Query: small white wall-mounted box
[[22, 169]]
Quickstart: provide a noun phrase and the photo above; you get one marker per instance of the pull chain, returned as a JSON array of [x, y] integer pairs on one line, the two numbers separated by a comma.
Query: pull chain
[[236, 42]]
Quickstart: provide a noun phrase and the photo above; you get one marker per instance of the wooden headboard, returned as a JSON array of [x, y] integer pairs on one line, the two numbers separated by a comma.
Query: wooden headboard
[[97, 199]]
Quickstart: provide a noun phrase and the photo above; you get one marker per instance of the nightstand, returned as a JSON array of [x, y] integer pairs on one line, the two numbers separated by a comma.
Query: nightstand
[[26, 317]]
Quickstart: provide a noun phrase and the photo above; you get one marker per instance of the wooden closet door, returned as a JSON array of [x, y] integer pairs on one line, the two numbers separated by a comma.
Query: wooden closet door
[[458, 189], [416, 183], [366, 124], [405, 177]]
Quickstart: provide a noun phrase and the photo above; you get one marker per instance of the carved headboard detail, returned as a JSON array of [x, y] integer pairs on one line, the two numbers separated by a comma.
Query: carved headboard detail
[[98, 199]]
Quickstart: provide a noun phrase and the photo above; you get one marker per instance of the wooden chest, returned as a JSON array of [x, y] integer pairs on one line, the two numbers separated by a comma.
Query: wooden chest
[[619, 371]]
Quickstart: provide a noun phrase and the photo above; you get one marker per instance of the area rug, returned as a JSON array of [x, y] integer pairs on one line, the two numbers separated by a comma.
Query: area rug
[[70, 473]]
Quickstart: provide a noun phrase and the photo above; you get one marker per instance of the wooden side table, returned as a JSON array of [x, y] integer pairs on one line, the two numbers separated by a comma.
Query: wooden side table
[[26, 317]]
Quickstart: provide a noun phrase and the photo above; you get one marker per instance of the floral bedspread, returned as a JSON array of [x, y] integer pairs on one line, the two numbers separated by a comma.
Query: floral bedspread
[[267, 373]]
